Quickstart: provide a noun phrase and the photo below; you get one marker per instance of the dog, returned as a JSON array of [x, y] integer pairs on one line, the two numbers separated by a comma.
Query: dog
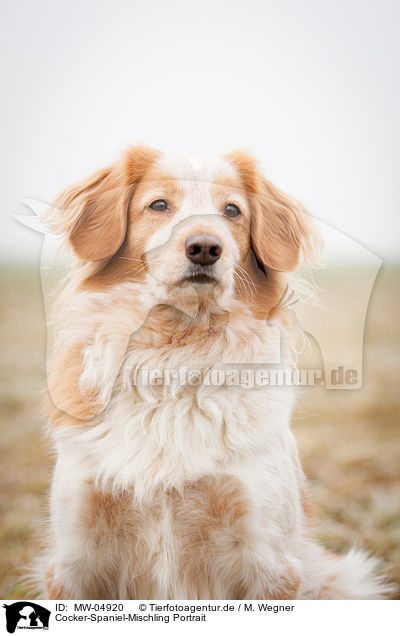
[[168, 489]]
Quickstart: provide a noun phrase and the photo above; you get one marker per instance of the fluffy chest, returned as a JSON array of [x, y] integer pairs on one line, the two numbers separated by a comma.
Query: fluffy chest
[[179, 411]]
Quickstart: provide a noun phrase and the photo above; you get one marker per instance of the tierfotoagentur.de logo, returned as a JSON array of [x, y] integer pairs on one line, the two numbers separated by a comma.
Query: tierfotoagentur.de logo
[[26, 615]]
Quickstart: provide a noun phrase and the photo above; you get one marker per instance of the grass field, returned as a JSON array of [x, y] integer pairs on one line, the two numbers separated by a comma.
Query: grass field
[[349, 440]]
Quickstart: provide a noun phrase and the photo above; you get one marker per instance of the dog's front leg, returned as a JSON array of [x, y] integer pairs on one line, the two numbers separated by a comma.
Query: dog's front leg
[[86, 557]]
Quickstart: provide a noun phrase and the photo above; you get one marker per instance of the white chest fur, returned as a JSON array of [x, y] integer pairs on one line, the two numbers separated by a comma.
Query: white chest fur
[[177, 413]]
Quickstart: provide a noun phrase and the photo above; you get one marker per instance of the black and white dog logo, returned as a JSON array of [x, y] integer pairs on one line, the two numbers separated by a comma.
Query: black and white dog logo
[[26, 615]]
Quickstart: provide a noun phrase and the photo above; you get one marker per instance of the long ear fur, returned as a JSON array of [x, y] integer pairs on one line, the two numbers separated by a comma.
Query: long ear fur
[[93, 213], [281, 231]]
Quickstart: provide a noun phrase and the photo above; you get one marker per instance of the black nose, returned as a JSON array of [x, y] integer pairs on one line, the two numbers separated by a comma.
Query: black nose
[[203, 249]]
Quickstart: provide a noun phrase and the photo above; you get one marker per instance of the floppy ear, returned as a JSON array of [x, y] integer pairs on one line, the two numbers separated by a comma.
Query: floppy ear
[[93, 214], [100, 207], [281, 229]]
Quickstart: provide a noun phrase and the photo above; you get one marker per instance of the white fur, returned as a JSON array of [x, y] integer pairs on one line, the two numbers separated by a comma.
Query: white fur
[[201, 431], [153, 440]]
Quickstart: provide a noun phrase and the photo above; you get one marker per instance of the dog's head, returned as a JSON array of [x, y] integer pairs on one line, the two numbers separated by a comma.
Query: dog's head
[[213, 226]]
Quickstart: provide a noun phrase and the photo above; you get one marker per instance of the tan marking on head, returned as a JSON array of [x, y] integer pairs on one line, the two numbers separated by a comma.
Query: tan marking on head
[[93, 213], [129, 263], [206, 169], [193, 187], [281, 227]]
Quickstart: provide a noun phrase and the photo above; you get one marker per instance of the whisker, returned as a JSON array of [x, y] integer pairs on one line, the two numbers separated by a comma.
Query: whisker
[[142, 262], [244, 282], [239, 279], [247, 276], [248, 281]]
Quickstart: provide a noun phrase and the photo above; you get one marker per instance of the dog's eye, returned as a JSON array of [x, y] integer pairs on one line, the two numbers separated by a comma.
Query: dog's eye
[[159, 206], [232, 211]]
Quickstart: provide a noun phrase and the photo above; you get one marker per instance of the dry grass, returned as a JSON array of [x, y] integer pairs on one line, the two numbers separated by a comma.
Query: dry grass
[[349, 440]]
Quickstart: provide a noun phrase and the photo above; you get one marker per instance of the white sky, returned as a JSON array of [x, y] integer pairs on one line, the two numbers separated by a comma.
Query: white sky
[[310, 87]]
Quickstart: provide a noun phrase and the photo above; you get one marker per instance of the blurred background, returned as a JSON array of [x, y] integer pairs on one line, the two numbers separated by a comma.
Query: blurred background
[[311, 89]]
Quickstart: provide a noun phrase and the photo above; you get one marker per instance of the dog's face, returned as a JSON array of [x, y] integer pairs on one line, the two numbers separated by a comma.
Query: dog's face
[[213, 226], [191, 223]]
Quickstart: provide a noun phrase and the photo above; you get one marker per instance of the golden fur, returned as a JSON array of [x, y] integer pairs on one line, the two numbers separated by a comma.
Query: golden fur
[[191, 491]]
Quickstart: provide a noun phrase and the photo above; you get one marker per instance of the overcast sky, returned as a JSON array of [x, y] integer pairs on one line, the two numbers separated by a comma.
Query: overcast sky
[[311, 88]]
